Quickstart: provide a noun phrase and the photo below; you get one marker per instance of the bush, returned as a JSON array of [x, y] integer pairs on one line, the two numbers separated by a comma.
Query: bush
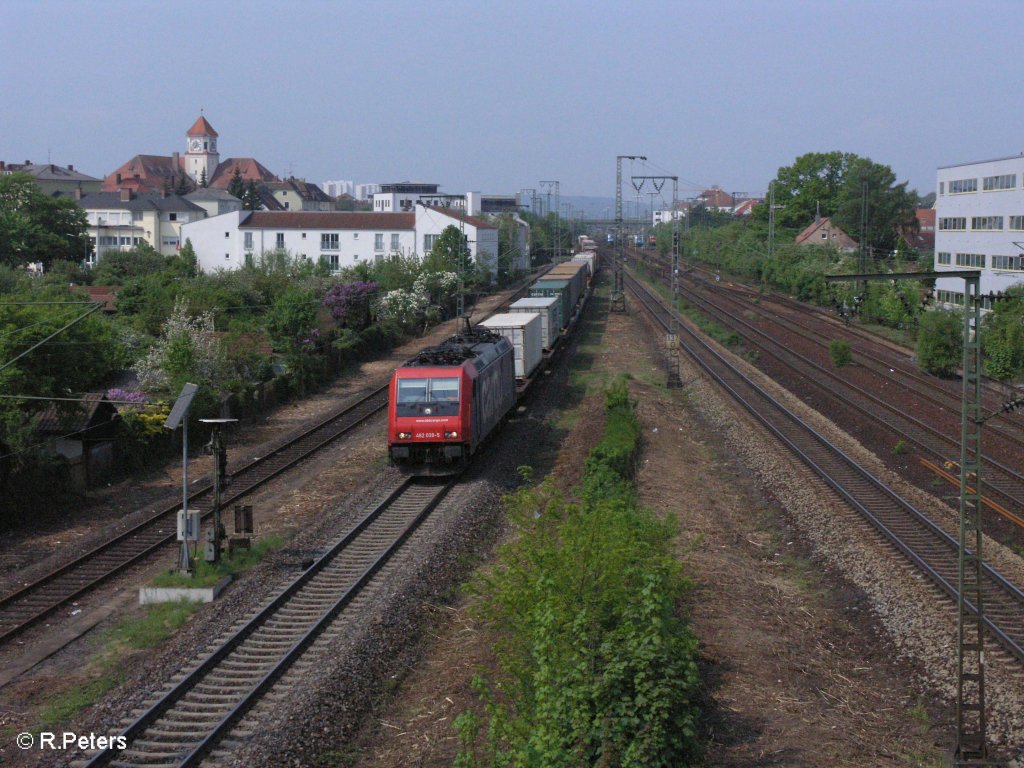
[[596, 666], [940, 342], [839, 351]]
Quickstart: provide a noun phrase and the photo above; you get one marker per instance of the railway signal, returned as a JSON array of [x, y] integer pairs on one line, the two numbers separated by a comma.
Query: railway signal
[[215, 536]]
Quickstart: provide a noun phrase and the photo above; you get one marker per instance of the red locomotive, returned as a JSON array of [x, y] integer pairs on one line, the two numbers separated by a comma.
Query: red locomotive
[[448, 399]]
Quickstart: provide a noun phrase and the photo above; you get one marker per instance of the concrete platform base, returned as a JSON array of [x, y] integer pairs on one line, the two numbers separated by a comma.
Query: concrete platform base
[[150, 595]]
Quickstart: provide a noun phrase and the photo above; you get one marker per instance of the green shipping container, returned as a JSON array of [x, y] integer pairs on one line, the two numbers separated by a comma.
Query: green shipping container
[[559, 288]]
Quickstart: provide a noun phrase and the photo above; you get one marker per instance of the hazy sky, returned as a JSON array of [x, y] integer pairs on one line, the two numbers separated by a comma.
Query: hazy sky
[[496, 96]]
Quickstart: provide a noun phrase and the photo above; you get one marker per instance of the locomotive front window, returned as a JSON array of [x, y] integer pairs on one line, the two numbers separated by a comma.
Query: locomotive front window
[[428, 397]]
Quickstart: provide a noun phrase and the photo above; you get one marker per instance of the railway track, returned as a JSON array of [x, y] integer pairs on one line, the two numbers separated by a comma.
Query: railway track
[[39, 599], [924, 544], [186, 725], [888, 363], [999, 480]]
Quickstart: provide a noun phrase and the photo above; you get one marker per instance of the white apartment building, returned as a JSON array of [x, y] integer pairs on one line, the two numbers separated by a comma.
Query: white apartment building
[[338, 187], [659, 217], [979, 218], [341, 239]]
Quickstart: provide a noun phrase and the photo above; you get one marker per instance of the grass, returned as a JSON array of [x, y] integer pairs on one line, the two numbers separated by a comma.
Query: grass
[[160, 621], [208, 574], [69, 704]]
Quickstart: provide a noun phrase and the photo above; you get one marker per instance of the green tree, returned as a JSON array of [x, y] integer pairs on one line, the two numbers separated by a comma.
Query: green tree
[[251, 197], [35, 227], [203, 182], [236, 186], [450, 254], [940, 342], [831, 183], [1002, 336], [184, 185], [119, 267]]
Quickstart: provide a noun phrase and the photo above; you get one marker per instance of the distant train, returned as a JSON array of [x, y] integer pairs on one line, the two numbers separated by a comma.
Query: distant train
[[445, 402]]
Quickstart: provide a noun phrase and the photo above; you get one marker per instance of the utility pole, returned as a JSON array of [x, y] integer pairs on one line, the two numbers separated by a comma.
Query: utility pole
[[618, 298], [971, 725], [558, 216], [672, 339]]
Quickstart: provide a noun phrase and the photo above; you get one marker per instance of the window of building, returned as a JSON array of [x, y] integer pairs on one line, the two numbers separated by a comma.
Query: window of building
[[944, 258], [986, 222], [963, 186], [949, 297], [227, 234], [942, 187], [1017, 223], [172, 217], [280, 239], [994, 183], [428, 243], [954, 223], [248, 241], [976, 260], [329, 241], [334, 261], [1012, 263], [303, 235], [378, 241], [395, 243], [227, 256]]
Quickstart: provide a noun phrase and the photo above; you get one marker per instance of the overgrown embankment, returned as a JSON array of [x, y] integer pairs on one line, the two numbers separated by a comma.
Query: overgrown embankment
[[595, 665]]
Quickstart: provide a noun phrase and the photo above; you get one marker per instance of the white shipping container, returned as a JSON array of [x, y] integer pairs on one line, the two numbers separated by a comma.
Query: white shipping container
[[586, 258], [549, 308], [523, 330]]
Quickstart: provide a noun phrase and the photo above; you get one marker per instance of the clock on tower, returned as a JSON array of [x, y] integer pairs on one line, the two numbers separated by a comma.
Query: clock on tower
[[195, 145]]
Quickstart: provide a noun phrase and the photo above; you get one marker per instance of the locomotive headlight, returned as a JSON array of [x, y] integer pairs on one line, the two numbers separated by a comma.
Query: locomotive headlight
[[404, 435], [451, 434]]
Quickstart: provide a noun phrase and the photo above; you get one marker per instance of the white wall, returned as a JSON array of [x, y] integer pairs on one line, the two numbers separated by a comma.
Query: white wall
[[213, 249], [220, 242], [1005, 203], [483, 241]]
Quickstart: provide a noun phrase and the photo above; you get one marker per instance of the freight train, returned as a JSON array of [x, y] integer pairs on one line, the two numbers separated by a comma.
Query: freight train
[[445, 402]]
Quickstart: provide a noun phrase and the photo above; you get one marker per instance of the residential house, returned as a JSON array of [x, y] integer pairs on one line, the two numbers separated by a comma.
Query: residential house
[[53, 179], [823, 232], [123, 220]]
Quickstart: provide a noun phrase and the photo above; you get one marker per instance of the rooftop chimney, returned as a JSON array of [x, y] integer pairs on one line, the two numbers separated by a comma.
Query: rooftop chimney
[[71, 167]]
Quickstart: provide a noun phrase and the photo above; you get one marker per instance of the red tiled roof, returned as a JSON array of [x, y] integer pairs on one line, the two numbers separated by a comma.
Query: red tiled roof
[[249, 168], [836, 236], [145, 173], [201, 127], [101, 293], [716, 198], [328, 220]]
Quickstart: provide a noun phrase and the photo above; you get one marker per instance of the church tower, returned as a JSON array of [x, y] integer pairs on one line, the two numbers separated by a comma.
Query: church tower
[[201, 150]]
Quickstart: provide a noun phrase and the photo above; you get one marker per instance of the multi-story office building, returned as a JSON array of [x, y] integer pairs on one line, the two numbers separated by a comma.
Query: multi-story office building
[[979, 218]]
